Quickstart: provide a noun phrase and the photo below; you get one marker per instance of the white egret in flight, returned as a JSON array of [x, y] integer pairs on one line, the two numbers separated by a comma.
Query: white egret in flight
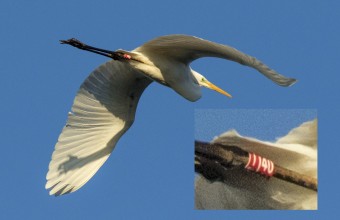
[[104, 107]]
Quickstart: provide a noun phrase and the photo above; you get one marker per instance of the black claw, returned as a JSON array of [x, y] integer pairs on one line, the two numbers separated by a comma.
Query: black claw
[[74, 42]]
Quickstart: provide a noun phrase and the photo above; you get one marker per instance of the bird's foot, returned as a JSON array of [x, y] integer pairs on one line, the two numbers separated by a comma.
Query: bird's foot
[[74, 42]]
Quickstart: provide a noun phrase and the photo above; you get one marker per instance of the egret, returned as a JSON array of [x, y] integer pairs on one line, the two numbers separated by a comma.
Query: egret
[[104, 107]]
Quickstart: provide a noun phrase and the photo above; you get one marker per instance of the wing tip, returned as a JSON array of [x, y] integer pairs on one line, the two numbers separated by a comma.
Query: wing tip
[[59, 189], [291, 81], [286, 82]]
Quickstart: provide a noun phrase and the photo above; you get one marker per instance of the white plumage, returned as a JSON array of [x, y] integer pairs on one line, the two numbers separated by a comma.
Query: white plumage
[[104, 107]]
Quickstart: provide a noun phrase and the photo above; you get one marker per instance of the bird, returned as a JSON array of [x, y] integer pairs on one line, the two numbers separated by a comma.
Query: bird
[[239, 189], [105, 104]]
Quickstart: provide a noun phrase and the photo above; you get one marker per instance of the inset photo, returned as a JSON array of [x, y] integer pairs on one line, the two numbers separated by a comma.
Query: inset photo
[[256, 159]]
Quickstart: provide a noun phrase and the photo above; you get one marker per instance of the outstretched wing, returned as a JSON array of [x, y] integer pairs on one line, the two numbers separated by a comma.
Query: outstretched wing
[[185, 49], [103, 109]]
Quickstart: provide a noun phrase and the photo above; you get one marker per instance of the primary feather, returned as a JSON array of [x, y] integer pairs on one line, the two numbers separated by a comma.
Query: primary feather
[[103, 109]]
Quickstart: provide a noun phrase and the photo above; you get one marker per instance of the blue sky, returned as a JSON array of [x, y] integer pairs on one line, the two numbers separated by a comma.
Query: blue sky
[[264, 124], [150, 174]]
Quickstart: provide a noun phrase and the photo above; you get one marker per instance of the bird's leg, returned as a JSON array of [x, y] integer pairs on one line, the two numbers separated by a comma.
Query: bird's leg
[[80, 45]]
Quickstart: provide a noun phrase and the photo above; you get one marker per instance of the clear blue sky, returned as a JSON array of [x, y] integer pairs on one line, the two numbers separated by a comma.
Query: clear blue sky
[[150, 175], [264, 124]]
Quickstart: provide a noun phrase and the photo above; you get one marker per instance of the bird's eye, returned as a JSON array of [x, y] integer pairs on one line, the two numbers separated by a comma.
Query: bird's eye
[[203, 79]]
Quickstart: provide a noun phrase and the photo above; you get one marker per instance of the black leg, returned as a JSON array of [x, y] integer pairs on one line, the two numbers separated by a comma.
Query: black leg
[[80, 45]]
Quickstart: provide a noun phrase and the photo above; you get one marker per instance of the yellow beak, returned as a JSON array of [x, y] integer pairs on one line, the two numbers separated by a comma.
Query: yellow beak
[[217, 89]]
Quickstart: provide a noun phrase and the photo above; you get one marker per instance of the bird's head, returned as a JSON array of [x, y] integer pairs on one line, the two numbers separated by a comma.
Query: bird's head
[[202, 81]]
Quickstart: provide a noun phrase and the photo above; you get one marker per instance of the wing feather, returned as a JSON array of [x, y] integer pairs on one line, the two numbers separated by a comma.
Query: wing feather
[[186, 49], [103, 109]]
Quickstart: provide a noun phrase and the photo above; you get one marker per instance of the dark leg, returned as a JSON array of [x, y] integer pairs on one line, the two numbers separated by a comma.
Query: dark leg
[[80, 45]]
